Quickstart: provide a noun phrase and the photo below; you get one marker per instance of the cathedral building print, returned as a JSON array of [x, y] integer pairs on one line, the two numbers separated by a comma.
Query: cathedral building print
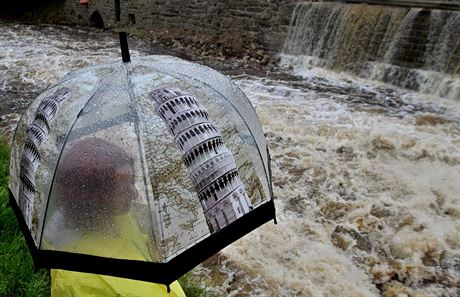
[[211, 166]]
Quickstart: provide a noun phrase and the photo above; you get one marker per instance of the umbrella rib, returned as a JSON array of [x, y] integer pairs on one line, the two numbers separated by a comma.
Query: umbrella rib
[[63, 145], [123, 118], [143, 165], [78, 72]]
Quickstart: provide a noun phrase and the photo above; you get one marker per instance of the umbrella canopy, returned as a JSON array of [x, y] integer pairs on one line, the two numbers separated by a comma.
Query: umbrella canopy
[[139, 170]]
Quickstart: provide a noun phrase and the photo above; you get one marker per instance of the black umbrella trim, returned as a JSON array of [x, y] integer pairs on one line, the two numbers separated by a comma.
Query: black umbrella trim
[[163, 273]]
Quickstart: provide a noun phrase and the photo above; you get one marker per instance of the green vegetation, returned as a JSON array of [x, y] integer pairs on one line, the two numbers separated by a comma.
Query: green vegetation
[[133, 31], [190, 285], [17, 277]]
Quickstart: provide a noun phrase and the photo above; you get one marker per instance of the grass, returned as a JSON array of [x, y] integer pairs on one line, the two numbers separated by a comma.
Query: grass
[[133, 31], [17, 277], [191, 288]]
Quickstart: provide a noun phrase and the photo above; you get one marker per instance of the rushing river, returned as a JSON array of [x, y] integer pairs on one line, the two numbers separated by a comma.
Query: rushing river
[[366, 176]]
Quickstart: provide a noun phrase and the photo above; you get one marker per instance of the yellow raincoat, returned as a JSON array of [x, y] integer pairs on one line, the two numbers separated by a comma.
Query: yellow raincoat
[[73, 284], [126, 245]]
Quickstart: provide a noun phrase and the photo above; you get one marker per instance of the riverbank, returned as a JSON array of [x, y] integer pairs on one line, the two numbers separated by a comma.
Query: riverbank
[[17, 275], [210, 49]]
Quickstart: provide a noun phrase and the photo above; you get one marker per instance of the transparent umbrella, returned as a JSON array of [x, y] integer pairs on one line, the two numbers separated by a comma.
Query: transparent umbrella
[[139, 169]]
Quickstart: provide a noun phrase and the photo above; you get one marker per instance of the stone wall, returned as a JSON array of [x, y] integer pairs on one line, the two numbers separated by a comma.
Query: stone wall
[[237, 26]]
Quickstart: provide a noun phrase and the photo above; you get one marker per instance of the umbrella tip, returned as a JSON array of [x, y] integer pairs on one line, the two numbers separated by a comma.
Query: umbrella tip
[[124, 47]]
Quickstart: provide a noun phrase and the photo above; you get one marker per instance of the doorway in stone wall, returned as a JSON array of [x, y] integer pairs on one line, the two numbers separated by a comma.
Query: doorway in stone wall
[[131, 19], [96, 20], [117, 10]]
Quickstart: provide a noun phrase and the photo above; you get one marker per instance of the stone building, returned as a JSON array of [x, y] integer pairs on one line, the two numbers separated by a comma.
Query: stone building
[[211, 166]]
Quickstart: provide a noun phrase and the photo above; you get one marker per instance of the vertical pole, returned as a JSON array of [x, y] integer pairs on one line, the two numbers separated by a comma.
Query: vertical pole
[[124, 47]]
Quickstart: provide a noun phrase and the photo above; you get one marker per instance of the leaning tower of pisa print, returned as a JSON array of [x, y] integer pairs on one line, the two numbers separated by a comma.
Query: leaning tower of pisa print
[[211, 166], [37, 133]]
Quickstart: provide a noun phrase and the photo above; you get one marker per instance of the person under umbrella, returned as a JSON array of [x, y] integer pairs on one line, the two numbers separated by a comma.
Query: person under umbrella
[[198, 172], [96, 188]]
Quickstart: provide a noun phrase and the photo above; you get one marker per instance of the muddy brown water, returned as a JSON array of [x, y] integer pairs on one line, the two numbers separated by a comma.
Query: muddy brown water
[[366, 175]]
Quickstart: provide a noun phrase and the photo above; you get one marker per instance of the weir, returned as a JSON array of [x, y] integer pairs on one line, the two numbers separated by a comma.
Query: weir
[[412, 48], [413, 44]]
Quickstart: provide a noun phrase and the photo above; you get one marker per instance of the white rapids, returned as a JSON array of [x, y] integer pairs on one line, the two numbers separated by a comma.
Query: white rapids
[[366, 176]]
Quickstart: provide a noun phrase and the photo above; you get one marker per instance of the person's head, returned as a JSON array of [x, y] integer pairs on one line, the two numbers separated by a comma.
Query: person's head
[[96, 182]]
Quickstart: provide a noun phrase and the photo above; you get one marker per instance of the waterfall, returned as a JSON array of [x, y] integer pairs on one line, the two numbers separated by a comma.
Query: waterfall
[[412, 48]]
